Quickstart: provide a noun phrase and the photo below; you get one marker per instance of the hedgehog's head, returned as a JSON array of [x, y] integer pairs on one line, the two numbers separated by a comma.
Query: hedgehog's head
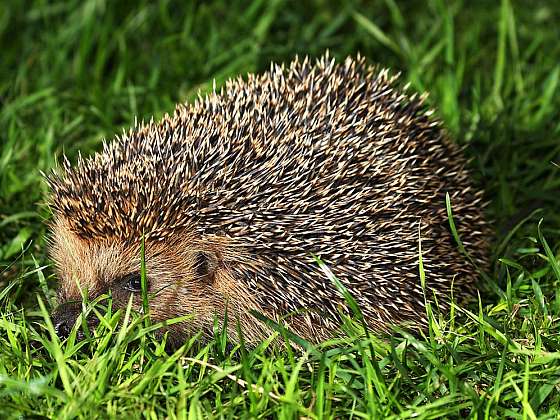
[[103, 207], [184, 277]]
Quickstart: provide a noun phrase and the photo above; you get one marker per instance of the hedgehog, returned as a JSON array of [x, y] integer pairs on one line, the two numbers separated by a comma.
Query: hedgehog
[[237, 195]]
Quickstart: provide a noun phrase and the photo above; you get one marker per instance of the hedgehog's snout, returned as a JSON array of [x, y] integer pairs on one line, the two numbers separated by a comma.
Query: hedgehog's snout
[[64, 318]]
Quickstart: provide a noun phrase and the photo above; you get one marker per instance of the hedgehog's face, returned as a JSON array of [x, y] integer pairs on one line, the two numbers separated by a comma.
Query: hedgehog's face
[[182, 280]]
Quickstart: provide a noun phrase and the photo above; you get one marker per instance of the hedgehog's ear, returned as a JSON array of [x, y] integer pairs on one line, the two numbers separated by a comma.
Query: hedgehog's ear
[[206, 264]]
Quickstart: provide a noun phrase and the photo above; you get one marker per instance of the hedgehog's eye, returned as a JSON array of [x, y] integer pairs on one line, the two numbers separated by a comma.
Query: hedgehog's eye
[[132, 282]]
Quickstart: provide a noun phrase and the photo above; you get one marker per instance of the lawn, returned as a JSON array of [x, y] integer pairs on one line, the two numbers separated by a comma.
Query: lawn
[[73, 73]]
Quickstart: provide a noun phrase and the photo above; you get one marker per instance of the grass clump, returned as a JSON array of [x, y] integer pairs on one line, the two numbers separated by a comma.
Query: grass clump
[[73, 72]]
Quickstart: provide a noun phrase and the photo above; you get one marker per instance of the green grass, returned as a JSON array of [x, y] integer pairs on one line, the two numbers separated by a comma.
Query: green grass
[[74, 72]]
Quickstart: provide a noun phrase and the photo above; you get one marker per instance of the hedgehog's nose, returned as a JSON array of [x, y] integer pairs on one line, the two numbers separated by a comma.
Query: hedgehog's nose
[[64, 318], [62, 328]]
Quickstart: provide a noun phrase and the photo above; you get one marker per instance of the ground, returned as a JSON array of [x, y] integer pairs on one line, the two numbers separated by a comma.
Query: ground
[[75, 72]]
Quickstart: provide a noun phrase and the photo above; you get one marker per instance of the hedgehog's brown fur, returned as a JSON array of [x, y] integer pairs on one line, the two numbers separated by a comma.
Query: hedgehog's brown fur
[[317, 159]]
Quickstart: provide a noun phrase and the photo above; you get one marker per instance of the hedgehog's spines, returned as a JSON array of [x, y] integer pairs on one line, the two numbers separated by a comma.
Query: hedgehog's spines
[[315, 157]]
